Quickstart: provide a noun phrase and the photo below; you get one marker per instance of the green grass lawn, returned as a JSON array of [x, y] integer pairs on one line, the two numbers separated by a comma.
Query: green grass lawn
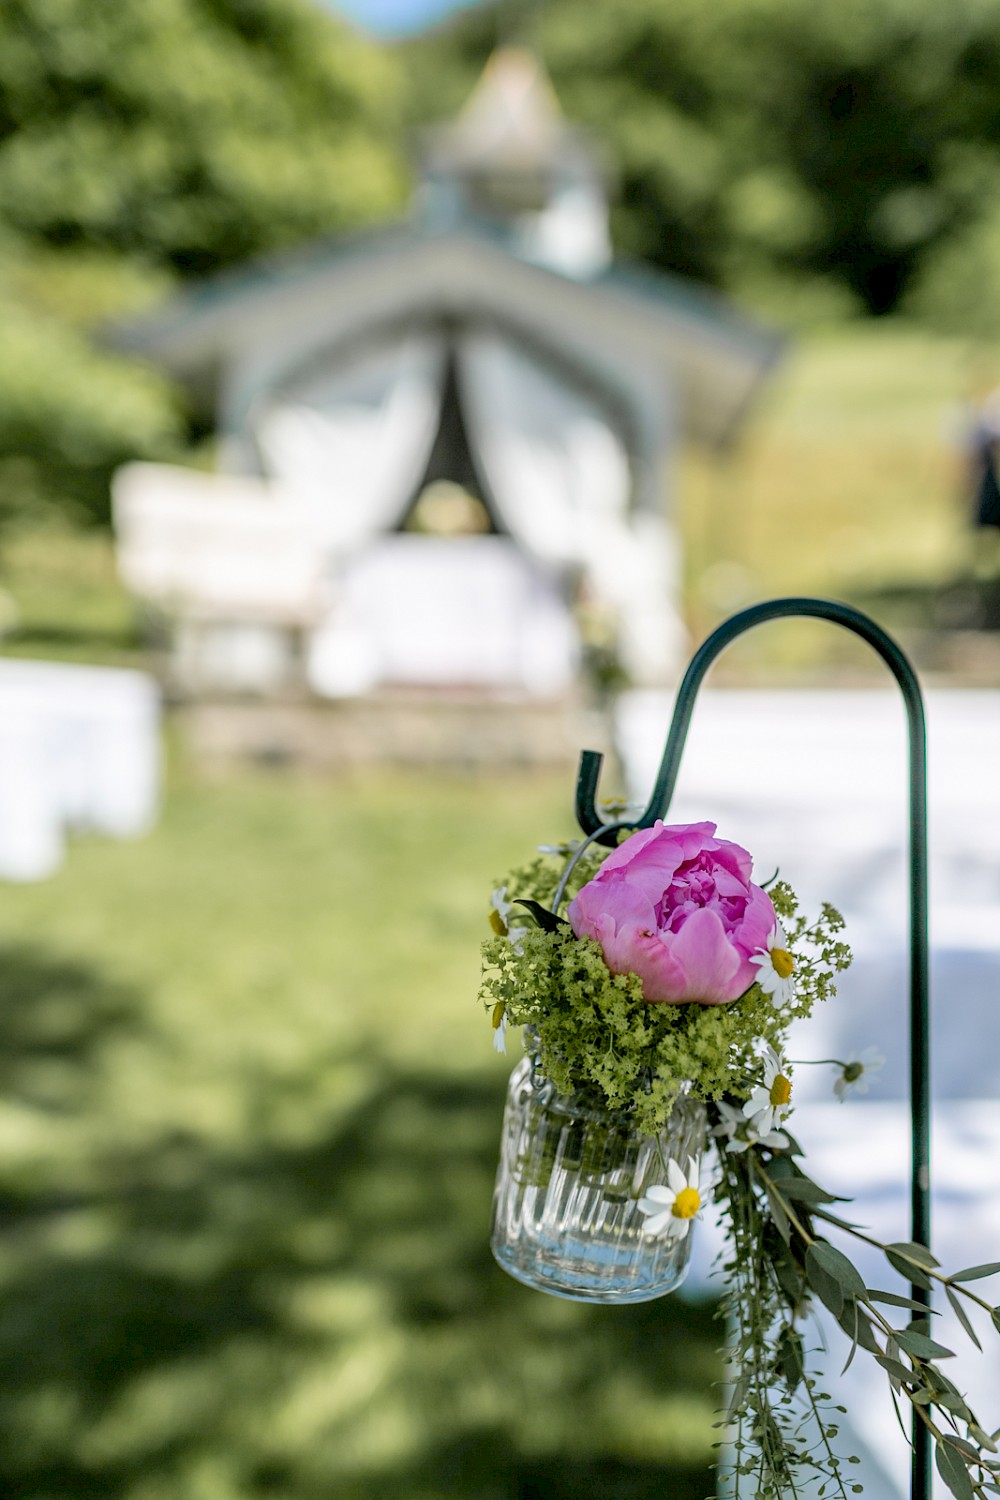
[[248, 1131]]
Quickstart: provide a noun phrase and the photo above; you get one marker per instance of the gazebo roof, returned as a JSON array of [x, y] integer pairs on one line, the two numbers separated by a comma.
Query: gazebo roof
[[624, 321]]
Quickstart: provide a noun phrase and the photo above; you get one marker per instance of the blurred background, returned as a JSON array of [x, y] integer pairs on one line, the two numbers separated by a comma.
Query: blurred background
[[391, 395]]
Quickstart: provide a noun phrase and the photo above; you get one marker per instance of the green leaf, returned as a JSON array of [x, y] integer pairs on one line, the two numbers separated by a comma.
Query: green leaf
[[921, 1347], [789, 1358], [545, 919], [995, 1315], [953, 1472], [896, 1301], [827, 1289], [857, 1325], [907, 1268], [952, 1402], [909, 1250], [962, 1316], [806, 1191], [895, 1367], [836, 1265], [778, 1214], [976, 1273]]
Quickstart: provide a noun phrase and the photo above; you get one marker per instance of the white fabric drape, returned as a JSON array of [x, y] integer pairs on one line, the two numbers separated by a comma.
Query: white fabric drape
[[554, 466], [561, 480], [351, 443]]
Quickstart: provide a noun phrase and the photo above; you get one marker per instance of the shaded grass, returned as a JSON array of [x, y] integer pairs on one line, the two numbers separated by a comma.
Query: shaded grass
[[248, 1132]]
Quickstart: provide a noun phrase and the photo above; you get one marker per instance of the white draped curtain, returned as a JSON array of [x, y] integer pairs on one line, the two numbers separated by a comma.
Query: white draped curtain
[[351, 443], [560, 476], [555, 468]]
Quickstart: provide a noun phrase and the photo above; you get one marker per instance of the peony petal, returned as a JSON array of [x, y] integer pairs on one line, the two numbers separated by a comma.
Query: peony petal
[[708, 959], [652, 856]]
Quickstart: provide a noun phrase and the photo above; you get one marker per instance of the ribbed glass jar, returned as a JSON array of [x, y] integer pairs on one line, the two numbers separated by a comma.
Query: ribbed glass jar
[[566, 1213]]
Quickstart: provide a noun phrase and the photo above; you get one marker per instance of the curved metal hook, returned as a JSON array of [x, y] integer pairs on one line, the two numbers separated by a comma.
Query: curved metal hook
[[899, 664]]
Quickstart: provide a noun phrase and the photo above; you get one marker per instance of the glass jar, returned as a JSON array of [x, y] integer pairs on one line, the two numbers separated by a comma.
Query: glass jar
[[566, 1213]]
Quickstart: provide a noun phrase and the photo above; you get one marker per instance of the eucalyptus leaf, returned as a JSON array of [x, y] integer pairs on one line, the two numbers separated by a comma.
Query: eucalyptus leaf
[[828, 1290], [909, 1269], [976, 1273], [995, 1315], [790, 1359], [909, 1250], [858, 1326], [778, 1215], [953, 1403], [962, 1316], [805, 1190], [894, 1367], [921, 1347], [896, 1301], [836, 1265], [953, 1472]]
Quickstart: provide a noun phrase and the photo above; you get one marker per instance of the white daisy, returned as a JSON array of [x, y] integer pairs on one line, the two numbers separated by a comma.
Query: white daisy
[[776, 968], [770, 1101], [500, 1027], [500, 910], [670, 1209], [740, 1134], [856, 1072]]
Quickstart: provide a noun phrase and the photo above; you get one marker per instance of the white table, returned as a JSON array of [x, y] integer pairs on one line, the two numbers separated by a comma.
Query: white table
[[79, 749]]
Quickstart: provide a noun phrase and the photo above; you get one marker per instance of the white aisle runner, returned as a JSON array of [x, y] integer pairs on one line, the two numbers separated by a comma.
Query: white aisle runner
[[815, 784]]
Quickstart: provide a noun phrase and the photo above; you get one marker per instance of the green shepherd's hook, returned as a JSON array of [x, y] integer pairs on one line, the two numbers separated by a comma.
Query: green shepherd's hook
[[899, 664]]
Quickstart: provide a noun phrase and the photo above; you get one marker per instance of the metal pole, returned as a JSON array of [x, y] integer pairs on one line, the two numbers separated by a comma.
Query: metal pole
[[900, 666]]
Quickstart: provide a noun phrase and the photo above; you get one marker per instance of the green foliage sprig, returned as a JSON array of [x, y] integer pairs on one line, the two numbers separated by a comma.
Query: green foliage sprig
[[780, 1260]]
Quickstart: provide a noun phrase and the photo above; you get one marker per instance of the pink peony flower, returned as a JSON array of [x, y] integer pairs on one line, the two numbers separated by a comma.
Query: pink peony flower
[[676, 906]]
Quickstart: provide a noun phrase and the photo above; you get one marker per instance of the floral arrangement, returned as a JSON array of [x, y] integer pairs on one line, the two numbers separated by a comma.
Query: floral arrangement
[[674, 976]]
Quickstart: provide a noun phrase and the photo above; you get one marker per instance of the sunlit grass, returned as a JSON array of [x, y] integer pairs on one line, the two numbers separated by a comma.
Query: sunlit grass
[[248, 1130]]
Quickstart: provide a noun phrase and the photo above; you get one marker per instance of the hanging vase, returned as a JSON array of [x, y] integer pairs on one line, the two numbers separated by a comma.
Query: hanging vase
[[566, 1215]]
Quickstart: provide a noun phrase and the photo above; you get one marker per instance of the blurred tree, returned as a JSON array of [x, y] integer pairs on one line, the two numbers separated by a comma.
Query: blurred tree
[[762, 139], [139, 144]]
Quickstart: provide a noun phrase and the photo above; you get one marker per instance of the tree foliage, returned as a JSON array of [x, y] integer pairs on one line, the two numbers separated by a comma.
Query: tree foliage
[[775, 138], [144, 143]]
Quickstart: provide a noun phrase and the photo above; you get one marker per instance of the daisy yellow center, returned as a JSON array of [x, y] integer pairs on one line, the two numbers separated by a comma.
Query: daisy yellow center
[[784, 963], [497, 923], [498, 1014], [781, 1090], [853, 1072], [687, 1203]]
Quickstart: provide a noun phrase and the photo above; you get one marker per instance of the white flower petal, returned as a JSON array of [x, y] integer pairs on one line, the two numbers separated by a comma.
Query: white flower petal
[[675, 1177]]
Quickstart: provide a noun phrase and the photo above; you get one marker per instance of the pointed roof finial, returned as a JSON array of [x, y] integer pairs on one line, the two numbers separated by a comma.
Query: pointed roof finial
[[511, 117]]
